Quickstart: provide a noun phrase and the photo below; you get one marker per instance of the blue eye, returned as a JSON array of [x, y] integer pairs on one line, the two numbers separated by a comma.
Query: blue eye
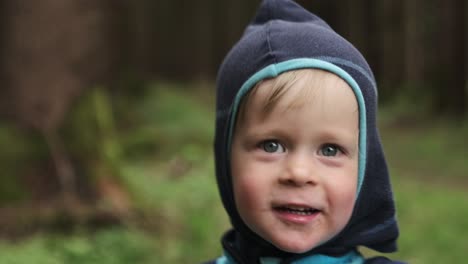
[[329, 150], [271, 146]]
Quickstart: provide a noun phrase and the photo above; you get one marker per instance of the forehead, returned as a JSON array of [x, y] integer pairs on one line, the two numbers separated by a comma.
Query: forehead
[[322, 90]]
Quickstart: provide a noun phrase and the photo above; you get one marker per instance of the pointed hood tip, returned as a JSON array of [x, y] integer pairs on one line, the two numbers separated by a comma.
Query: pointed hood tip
[[286, 10]]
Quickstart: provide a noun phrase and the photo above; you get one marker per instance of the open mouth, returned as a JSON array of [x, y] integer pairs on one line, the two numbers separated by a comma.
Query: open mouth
[[297, 210]]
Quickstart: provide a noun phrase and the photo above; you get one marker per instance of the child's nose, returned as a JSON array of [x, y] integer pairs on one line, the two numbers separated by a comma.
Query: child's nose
[[299, 170]]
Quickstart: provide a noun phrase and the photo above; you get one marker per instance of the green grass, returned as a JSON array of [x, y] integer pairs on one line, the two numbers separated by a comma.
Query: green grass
[[434, 151], [433, 220], [189, 219], [115, 246], [167, 166]]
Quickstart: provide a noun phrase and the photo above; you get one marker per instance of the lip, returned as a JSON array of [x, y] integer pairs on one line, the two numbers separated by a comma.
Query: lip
[[296, 216]]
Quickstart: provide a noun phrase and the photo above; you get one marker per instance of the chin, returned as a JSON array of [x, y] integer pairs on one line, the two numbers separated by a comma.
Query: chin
[[296, 248]]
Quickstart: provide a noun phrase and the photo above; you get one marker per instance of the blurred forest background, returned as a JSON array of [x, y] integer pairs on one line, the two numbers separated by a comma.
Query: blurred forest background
[[107, 119]]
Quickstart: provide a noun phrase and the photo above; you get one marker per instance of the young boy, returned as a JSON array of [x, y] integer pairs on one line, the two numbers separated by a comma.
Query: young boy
[[299, 163]]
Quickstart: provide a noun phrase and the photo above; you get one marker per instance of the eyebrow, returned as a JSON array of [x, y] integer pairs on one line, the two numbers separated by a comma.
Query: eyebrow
[[325, 135]]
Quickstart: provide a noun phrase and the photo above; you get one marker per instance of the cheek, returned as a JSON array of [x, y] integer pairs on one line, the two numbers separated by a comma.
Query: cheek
[[245, 190], [343, 201], [342, 193], [247, 200], [249, 190], [247, 177], [346, 202]]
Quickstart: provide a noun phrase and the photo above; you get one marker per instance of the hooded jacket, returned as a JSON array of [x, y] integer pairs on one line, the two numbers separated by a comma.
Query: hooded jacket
[[282, 37]]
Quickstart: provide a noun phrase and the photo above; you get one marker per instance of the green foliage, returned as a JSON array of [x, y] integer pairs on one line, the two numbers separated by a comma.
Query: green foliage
[[427, 159], [166, 119], [434, 222], [90, 132], [189, 218], [167, 165], [17, 148], [164, 136], [81, 129], [111, 246], [428, 151]]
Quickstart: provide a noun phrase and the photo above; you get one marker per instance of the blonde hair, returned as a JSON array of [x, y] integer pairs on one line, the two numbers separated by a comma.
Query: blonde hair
[[281, 84]]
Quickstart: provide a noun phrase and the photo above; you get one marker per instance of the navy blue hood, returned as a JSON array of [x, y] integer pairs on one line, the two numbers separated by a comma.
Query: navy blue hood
[[284, 36]]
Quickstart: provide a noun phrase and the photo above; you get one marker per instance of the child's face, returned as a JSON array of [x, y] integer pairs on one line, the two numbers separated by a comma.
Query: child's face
[[295, 169]]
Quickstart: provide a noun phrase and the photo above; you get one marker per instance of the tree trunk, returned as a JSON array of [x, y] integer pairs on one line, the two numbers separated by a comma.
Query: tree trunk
[[352, 23], [52, 51], [415, 36], [392, 43], [451, 93]]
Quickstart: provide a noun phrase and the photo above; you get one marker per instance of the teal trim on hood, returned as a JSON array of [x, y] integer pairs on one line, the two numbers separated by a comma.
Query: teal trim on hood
[[352, 257]]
